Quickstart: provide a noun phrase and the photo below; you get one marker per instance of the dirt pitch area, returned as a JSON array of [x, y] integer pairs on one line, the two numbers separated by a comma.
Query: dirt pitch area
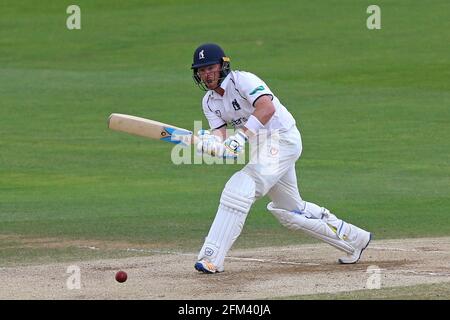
[[263, 273]]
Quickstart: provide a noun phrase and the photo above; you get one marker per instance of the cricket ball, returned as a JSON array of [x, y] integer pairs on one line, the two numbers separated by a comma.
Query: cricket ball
[[121, 276]]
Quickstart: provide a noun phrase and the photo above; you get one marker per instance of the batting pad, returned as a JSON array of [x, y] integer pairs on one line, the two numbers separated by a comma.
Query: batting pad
[[326, 228], [235, 202]]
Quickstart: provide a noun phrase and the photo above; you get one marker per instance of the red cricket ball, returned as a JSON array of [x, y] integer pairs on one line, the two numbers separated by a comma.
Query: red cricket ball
[[121, 276]]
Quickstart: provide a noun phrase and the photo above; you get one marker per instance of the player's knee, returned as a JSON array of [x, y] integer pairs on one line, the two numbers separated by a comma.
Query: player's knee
[[285, 217], [239, 192]]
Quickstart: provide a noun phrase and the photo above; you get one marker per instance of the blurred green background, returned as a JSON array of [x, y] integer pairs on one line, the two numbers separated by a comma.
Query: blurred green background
[[373, 107]]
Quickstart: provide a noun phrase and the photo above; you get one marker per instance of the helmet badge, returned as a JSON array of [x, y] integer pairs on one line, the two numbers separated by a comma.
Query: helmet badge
[[201, 54]]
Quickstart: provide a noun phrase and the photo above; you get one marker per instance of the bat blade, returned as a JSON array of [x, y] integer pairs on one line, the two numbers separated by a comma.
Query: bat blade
[[150, 129]]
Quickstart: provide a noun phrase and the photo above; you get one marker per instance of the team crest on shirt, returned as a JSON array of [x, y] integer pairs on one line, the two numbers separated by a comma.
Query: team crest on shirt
[[273, 151], [236, 105], [201, 54]]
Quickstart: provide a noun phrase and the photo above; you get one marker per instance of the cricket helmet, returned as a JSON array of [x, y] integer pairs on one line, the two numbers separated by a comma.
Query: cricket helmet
[[208, 54]]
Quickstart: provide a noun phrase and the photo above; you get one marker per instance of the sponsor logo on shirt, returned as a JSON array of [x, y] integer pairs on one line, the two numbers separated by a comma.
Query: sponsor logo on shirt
[[239, 121], [260, 88]]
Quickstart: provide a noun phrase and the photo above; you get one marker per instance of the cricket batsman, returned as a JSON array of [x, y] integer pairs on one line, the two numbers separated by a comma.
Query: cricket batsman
[[244, 101]]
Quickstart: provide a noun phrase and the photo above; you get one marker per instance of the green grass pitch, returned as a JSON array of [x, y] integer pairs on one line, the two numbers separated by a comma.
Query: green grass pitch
[[373, 107]]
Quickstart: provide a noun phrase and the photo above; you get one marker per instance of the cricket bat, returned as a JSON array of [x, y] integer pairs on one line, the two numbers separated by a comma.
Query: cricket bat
[[150, 129]]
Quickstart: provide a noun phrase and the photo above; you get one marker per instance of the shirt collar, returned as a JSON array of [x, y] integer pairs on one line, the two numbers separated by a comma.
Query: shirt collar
[[223, 85], [225, 81]]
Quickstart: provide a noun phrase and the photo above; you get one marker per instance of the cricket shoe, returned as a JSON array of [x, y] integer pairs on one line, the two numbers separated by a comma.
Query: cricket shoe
[[353, 258], [205, 267]]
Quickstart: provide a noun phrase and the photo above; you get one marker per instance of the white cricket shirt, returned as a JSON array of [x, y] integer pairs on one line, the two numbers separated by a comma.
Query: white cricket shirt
[[242, 89]]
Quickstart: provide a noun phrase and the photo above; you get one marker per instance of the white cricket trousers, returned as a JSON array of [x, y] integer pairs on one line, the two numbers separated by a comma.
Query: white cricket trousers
[[274, 169], [271, 171]]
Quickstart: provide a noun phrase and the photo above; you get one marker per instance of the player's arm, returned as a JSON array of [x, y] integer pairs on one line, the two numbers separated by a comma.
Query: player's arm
[[221, 132], [211, 141], [264, 110]]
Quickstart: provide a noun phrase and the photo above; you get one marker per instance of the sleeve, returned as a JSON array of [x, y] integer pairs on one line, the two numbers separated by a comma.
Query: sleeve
[[213, 119], [252, 87]]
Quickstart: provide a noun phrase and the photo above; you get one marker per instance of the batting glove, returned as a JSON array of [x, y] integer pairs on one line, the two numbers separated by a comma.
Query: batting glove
[[210, 144], [235, 144]]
